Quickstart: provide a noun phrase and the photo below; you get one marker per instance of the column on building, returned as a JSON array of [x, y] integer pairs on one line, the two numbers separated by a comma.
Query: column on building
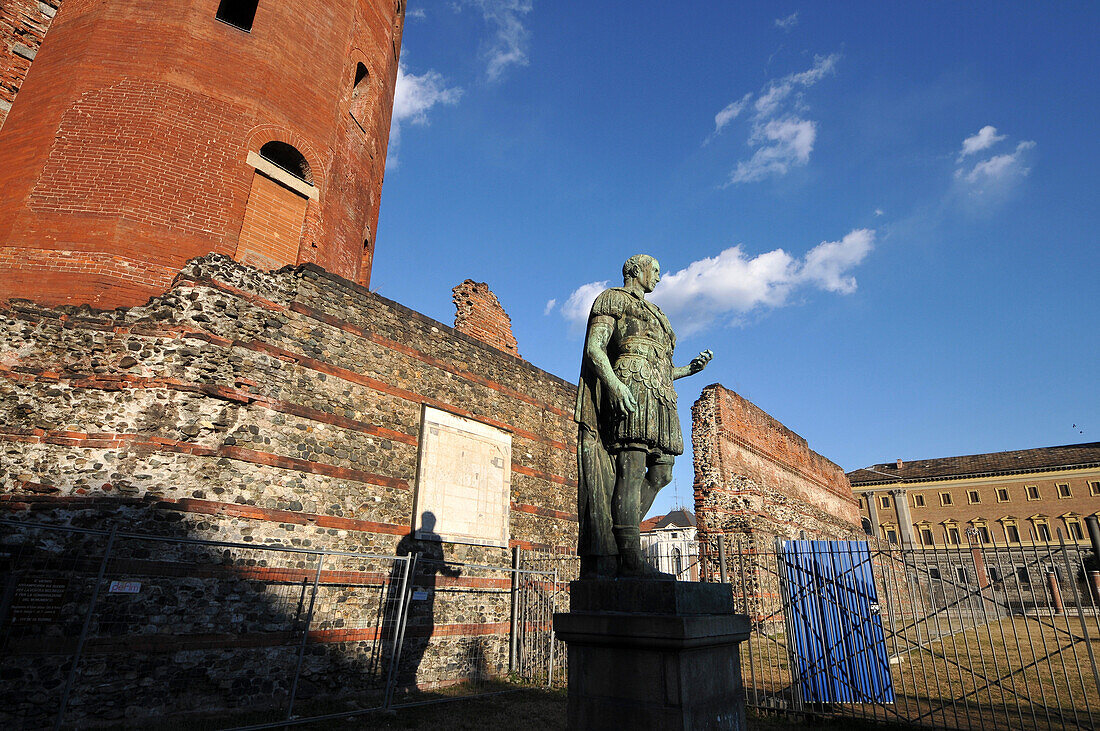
[[905, 523]]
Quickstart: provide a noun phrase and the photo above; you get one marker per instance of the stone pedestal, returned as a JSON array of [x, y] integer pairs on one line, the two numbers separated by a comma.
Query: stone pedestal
[[653, 655]]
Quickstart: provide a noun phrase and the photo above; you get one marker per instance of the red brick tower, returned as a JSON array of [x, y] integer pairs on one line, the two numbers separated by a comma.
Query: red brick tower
[[146, 134]]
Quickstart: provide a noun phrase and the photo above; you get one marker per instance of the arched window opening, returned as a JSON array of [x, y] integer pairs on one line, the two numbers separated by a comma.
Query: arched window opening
[[287, 158], [237, 13], [361, 77], [359, 95], [677, 562]]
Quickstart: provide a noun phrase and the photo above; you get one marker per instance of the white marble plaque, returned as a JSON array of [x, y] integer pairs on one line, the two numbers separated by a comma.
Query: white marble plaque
[[464, 480]]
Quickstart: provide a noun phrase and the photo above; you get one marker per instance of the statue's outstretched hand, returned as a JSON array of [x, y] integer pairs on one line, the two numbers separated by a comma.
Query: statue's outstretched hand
[[700, 361], [622, 398]]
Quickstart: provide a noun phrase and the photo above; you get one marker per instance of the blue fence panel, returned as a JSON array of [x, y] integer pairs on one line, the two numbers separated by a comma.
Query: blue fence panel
[[836, 631]]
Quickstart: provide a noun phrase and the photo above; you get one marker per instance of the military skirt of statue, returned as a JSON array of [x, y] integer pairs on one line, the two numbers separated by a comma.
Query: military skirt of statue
[[644, 365]]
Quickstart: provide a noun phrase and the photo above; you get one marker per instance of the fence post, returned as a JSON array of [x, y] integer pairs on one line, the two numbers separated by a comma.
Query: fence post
[[84, 629], [399, 628], [305, 637], [553, 592], [513, 635], [1093, 524], [722, 558], [1055, 592]]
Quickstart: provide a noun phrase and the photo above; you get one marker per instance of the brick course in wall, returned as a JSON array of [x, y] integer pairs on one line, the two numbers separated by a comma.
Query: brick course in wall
[[131, 133], [282, 408]]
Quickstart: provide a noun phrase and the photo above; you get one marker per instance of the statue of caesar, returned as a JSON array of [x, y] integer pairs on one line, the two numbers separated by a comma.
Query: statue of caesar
[[628, 428]]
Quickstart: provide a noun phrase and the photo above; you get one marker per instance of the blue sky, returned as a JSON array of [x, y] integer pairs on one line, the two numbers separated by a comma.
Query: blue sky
[[881, 217]]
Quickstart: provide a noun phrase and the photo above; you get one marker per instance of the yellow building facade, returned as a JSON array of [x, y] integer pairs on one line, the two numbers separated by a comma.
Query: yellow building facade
[[1023, 497]]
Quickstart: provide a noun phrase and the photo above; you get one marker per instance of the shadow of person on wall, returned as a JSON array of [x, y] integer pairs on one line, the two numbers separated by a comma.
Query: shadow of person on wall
[[420, 593]]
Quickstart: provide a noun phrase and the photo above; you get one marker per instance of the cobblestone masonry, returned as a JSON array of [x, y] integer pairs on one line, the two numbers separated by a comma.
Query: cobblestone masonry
[[282, 408], [758, 479]]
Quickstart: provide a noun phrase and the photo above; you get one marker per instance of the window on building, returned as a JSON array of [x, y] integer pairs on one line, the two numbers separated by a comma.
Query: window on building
[[983, 532], [866, 526], [359, 95], [934, 572], [674, 535], [1094, 487], [287, 158], [237, 13], [892, 535], [1032, 492], [960, 574], [973, 497], [993, 573], [918, 501], [953, 536], [274, 216], [1002, 494], [884, 501], [1042, 530], [1074, 529], [1012, 533], [926, 536], [677, 562], [1022, 575], [945, 498], [1064, 491]]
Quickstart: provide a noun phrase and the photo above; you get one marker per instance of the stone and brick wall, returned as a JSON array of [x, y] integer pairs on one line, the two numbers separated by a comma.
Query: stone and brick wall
[[480, 315], [756, 478], [282, 408], [23, 26], [127, 148]]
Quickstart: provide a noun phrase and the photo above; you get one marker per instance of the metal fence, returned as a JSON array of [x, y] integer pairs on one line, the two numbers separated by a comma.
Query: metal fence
[[978, 636], [104, 626]]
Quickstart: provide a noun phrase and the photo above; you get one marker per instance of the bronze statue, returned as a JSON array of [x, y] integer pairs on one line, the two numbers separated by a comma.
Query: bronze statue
[[629, 431]]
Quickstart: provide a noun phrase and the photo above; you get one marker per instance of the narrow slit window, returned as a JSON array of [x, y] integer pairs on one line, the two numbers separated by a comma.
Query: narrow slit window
[[237, 13], [359, 95]]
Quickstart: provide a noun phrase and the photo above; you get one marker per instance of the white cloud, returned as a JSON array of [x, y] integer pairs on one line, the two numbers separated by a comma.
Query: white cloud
[[412, 98], [780, 143], [787, 23], [989, 182], [731, 284], [730, 112], [780, 138], [987, 137], [418, 14], [550, 305], [828, 263], [879, 212], [575, 309], [999, 167], [510, 40]]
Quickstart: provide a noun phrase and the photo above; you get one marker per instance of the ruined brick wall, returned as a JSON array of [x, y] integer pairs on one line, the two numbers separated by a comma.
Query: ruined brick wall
[[127, 149], [281, 408], [23, 26], [754, 476], [480, 315]]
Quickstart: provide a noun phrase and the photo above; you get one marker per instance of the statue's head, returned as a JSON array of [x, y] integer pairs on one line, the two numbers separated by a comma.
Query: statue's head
[[643, 268]]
